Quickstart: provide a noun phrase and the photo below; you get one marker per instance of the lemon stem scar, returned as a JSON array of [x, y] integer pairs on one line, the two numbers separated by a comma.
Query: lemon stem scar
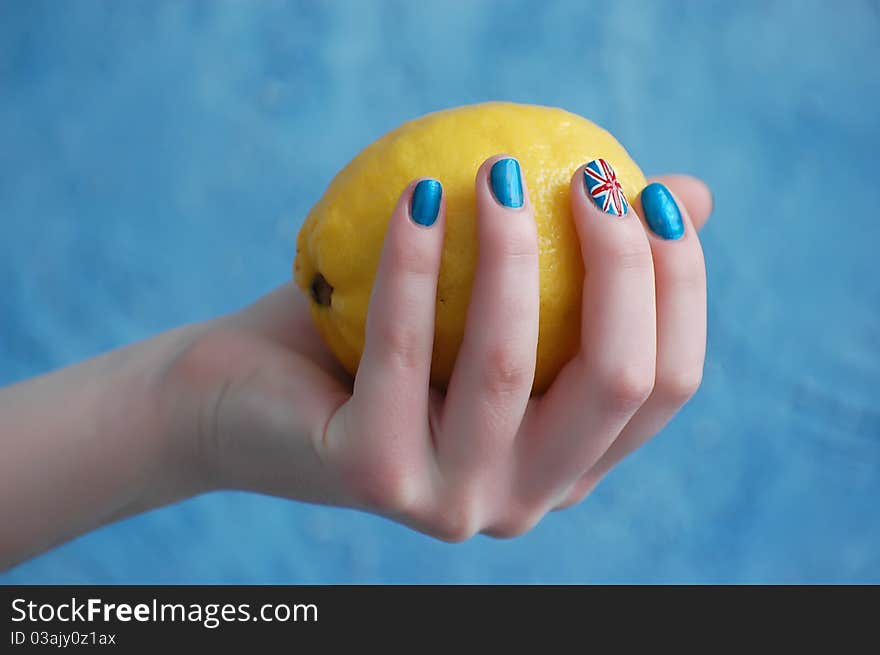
[[321, 290]]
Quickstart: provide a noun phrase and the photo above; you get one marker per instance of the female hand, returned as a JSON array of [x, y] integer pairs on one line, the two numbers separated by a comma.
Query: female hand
[[266, 407]]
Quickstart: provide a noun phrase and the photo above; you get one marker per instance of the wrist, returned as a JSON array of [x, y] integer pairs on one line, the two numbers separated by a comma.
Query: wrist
[[179, 398], [190, 388], [140, 405]]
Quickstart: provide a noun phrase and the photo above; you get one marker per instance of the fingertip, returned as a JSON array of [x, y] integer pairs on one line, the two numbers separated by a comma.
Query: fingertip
[[595, 186], [483, 172], [703, 192], [410, 242], [577, 184], [708, 196], [697, 193], [426, 201], [662, 211], [694, 193], [580, 195], [503, 177]]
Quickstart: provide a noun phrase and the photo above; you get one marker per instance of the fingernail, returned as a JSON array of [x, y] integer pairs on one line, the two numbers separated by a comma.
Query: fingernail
[[661, 212], [604, 188], [426, 202], [507, 183]]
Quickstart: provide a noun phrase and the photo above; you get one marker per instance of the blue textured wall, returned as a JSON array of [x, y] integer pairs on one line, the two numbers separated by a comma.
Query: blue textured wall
[[156, 159]]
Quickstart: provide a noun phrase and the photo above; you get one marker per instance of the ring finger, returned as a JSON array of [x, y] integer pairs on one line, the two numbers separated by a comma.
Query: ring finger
[[680, 275]]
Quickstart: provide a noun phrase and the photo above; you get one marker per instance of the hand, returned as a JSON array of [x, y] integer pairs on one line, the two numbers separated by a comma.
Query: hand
[[268, 409]]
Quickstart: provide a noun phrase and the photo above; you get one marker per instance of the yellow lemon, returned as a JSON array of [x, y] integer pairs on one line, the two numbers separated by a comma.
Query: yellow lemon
[[341, 240]]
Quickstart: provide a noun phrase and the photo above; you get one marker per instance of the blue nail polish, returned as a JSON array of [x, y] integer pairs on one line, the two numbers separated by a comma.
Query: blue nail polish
[[661, 212], [426, 202], [507, 182]]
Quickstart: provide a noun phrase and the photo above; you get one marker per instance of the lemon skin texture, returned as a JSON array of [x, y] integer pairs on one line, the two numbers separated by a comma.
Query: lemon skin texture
[[339, 245]]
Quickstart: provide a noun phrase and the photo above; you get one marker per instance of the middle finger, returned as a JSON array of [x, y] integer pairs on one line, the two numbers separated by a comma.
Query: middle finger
[[495, 367]]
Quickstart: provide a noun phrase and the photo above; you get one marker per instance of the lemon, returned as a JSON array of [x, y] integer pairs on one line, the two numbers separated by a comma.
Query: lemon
[[339, 245]]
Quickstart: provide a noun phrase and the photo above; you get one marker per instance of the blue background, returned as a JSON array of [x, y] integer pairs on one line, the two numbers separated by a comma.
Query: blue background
[[157, 158]]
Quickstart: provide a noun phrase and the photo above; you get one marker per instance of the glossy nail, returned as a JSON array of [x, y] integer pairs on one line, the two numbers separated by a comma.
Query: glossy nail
[[506, 183], [604, 188], [426, 202], [661, 212]]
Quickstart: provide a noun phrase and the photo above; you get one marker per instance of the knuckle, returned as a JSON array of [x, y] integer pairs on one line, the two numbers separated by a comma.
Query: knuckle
[[402, 344], [570, 501], [628, 387], [514, 526], [506, 371], [452, 533], [683, 273], [455, 523], [517, 245], [630, 254], [388, 488], [583, 488], [679, 386], [410, 257]]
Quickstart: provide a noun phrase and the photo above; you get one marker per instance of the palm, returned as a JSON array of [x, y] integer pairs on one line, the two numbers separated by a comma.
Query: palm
[[266, 381]]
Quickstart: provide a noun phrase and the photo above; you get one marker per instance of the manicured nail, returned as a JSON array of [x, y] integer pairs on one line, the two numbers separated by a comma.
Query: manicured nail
[[426, 202], [661, 211], [507, 182], [604, 188]]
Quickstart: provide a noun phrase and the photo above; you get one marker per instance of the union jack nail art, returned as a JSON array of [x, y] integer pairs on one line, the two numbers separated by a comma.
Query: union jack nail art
[[604, 188]]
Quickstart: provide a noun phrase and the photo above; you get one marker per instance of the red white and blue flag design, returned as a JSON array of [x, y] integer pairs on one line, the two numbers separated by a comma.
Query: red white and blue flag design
[[605, 188]]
